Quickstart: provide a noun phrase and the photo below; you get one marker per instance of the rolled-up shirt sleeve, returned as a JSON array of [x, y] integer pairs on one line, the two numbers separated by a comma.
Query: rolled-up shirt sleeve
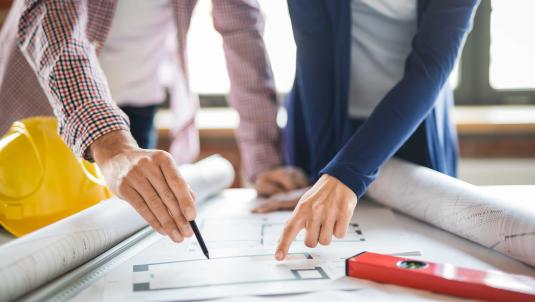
[[52, 38], [252, 91]]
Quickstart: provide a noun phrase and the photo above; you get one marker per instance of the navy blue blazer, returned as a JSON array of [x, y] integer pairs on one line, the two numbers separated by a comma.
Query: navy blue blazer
[[411, 121]]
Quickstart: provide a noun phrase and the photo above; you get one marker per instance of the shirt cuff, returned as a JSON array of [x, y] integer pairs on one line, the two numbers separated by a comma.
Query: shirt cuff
[[357, 182], [258, 158], [88, 123]]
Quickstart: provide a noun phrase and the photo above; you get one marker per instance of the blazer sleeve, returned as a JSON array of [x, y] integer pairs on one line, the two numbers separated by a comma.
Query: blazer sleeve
[[51, 36], [441, 33]]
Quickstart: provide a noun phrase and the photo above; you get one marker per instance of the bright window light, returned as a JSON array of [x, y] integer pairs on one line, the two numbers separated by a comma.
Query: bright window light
[[207, 67], [512, 48]]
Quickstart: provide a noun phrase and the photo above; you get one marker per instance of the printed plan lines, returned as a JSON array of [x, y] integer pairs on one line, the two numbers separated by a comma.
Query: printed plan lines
[[257, 231], [234, 270]]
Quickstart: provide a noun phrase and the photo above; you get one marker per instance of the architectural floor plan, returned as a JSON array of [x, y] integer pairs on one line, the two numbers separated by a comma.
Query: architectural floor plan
[[234, 270], [241, 248], [257, 231]]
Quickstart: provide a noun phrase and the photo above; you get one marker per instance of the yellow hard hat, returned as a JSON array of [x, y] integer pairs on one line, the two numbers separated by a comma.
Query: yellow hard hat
[[41, 181]]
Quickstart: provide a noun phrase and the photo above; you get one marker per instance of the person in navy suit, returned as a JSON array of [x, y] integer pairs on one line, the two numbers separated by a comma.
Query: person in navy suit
[[371, 83]]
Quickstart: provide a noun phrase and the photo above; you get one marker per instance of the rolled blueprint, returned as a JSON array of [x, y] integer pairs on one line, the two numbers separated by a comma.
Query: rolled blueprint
[[507, 226], [208, 176], [32, 260]]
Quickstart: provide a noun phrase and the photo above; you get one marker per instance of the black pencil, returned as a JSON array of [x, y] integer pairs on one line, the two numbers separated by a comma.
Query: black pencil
[[199, 238]]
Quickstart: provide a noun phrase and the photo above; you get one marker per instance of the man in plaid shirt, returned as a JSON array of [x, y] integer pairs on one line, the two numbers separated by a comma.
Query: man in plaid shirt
[[76, 54]]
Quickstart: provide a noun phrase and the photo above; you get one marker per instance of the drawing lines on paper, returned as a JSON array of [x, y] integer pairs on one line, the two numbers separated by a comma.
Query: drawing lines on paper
[[155, 276], [242, 232], [270, 233]]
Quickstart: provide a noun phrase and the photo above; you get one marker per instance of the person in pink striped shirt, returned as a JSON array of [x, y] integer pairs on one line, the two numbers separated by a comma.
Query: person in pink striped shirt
[[82, 60]]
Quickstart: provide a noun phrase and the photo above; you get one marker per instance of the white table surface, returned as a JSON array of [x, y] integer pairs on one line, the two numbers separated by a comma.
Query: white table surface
[[435, 244]]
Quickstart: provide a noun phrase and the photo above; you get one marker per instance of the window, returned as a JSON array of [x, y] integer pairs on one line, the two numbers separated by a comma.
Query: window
[[497, 65], [512, 46], [206, 57], [498, 61]]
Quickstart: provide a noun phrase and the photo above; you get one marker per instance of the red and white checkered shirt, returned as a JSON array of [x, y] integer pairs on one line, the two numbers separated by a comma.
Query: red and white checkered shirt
[[49, 56]]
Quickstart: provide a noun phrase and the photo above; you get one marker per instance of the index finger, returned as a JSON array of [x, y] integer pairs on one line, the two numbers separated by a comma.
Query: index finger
[[289, 233], [179, 187]]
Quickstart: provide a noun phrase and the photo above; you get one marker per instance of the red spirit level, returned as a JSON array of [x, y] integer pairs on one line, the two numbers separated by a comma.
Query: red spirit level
[[442, 278]]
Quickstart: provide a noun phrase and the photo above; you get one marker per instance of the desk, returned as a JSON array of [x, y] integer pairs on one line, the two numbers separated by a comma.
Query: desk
[[435, 245]]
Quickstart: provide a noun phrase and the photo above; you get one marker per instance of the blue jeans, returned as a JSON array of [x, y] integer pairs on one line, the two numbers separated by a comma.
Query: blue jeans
[[142, 124]]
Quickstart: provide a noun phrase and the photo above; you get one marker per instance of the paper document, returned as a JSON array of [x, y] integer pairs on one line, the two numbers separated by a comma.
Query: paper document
[[36, 258], [505, 225], [227, 274], [242, 262], [369, 229]]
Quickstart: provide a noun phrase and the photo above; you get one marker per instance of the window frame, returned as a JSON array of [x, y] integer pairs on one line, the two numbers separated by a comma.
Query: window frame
[[473, 86], [474, 71]]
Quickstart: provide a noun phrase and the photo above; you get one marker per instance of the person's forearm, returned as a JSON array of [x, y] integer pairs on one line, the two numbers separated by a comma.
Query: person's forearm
[[436, 45], [112, 144], [52, 38], [252, 92]]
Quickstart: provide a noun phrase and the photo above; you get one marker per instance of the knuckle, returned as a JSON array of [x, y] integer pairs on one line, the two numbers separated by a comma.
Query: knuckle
[[132, 173], [317, 206], [154, 199], [143, 162], [168, 224], [158, 208], [302, 208], [176, 214], [122, 188], [168, 195], [161, 155], [181, 220], [333, 211]]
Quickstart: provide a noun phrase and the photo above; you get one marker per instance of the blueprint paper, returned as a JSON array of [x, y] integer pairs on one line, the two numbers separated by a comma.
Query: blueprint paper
[[208, 176], [36, 258], [370, 229], [247, 272], [242, 263], [505, 225]]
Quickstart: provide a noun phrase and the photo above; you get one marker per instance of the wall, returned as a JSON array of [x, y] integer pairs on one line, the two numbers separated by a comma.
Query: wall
[[4, 8]]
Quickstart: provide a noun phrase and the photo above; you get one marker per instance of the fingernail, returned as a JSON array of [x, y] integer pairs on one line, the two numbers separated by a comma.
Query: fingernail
[[190, 213], [279, 255], [176, 236]]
